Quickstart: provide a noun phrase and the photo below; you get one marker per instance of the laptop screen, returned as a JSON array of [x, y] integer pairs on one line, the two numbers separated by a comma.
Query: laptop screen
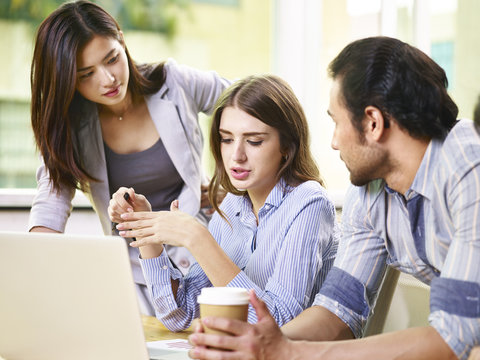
[[67, 297]]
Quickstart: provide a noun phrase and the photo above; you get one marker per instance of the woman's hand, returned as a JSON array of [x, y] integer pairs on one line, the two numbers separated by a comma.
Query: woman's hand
[[125, 200], [172, 227]]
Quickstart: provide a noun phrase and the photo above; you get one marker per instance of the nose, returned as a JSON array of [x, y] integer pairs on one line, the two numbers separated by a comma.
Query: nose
[[239, 152], [334, 143], [108, 78]]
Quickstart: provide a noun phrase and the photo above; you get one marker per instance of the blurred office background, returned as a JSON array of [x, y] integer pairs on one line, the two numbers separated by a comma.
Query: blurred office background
[[295, 39]]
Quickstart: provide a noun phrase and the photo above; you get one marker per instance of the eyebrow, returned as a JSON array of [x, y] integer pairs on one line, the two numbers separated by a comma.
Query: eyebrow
[[105, 58], [253, 133]]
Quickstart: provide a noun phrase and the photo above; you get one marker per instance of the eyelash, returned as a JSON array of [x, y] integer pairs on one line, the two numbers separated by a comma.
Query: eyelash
[[253, 143], [113, 60], [87, 75]]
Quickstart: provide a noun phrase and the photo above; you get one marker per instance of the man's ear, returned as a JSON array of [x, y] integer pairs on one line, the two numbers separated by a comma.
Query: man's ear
[[374, 123]]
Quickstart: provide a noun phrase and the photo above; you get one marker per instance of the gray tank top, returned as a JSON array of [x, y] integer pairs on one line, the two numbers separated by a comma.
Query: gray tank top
[[150, 172]]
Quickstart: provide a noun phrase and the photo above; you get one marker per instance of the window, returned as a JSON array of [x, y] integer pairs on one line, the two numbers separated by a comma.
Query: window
[[442, 53], [18, 159]]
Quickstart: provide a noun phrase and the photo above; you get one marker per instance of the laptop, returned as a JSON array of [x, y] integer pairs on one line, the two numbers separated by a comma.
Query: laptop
[[69, 297]]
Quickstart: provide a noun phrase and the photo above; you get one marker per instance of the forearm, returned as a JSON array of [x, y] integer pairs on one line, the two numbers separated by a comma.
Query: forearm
[[150, 251], [43, 229], [415, 343], [218, 267], [306, 326]]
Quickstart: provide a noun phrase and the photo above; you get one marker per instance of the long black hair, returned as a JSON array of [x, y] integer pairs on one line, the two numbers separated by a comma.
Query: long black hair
[[55, 102]]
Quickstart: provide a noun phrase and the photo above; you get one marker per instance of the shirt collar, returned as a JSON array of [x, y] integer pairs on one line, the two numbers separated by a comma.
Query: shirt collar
[[423, 177], [274, 199]]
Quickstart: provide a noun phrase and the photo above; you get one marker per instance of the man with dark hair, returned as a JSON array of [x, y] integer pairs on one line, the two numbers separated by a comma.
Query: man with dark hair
[[414, 205], [476, 112]]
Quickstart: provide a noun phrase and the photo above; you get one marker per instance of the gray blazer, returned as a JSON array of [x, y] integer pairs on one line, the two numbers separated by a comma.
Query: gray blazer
[[174, 110]]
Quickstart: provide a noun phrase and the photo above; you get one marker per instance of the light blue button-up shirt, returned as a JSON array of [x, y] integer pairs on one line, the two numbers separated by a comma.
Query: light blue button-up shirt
[[376, 232], [284, 258]]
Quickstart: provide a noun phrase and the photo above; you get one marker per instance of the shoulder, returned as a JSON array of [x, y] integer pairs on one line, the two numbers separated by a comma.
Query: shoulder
[[307, 194], [462, 144], [175, 73], [184, 75], [231, 203], [308, 189]]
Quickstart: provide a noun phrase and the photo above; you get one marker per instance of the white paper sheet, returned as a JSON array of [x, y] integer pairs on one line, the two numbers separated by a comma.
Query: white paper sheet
[[176, 349]]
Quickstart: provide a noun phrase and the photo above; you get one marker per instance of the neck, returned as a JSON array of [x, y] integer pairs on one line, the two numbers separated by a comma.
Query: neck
[[120, 110], [258, 198], [406, 155]]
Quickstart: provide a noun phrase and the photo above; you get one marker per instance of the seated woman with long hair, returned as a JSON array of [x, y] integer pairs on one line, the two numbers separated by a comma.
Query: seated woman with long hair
[[273, 232]]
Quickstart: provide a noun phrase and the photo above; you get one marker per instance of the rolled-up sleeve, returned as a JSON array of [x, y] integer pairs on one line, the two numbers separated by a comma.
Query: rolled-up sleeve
[[360, 263], [50, 208], [455, 295], [455, 313]]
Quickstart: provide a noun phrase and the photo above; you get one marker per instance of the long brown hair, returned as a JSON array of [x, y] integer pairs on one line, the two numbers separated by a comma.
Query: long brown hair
[[271, 100], [55, 102]]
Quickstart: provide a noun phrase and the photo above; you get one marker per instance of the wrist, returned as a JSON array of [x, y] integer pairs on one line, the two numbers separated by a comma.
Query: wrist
[[289, 350], [196, 237], [151, 251]]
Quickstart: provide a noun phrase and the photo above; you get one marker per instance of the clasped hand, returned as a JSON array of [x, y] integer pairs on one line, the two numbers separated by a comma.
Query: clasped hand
[[136, 220]]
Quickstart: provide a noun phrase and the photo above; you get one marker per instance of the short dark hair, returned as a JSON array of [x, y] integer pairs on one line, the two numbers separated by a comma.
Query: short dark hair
[[400, 80], [476, 112]]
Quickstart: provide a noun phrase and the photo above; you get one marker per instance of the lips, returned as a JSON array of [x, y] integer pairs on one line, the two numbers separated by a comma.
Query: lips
[[239, 173], [113, 92]]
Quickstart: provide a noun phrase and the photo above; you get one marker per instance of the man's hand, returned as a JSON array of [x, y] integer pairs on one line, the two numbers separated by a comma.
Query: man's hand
[[263, 340]]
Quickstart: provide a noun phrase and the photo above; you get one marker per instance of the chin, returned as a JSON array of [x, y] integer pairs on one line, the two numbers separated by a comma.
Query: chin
[[359, 180]]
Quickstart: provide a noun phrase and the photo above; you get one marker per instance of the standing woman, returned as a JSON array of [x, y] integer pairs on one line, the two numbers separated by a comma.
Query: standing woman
[[274, 231], [102, 121]]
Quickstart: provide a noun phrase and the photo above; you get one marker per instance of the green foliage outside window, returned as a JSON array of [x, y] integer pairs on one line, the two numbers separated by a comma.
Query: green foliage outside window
[[150, 15], [18, 156]]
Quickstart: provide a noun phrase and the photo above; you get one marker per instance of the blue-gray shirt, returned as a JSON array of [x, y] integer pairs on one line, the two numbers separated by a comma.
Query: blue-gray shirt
[[376, 232], [284, 258]]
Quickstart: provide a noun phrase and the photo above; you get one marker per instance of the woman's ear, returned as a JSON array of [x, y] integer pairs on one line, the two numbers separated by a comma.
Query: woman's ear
[[287, 153], [374, 123]]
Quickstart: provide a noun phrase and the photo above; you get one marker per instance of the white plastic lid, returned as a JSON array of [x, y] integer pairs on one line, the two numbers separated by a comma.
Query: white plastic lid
[[223, 296]]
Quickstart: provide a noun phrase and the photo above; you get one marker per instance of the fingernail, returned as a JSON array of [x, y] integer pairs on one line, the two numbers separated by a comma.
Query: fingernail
[[195, 352], [121, 233], [124, 216]]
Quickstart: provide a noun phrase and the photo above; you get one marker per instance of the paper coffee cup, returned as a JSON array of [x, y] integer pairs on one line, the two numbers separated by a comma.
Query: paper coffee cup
[[223, 302]]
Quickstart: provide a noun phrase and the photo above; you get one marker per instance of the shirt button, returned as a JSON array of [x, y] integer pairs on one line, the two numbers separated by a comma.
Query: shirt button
[[184, 262], [164, 267]]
